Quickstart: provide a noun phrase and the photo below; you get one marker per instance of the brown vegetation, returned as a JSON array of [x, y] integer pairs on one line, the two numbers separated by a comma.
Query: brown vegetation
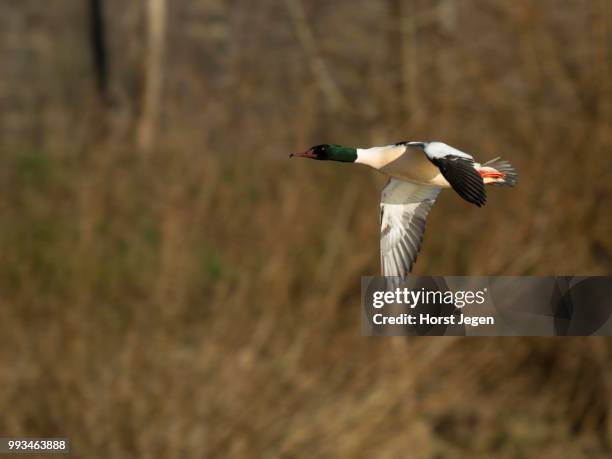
[[199, 296]]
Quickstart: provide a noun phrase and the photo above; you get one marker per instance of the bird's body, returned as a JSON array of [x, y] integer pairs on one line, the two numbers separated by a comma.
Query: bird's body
[[402, 162], [417, 172]]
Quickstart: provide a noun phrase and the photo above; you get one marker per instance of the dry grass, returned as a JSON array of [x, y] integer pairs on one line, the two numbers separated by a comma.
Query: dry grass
[[203, 299], [152, 310]]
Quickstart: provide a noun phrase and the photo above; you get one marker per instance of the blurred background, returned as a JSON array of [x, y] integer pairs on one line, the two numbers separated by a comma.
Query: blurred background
[[172, 285]]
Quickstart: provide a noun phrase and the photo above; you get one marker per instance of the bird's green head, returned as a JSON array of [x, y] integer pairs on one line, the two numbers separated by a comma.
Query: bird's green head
[[329, 152]]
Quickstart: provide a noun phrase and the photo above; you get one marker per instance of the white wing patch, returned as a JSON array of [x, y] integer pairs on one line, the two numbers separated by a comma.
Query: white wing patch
[[439, 150], [404, 208]]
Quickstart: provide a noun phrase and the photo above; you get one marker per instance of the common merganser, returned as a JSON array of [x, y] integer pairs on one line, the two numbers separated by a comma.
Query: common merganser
[[417, 173]]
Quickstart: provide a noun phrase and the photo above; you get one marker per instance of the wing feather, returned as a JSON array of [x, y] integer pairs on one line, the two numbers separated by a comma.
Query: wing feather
[[463, 177], [404, 208]]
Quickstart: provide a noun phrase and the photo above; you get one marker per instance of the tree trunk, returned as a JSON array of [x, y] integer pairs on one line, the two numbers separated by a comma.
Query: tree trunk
[[98, 48], [151, 103], [402, 32]]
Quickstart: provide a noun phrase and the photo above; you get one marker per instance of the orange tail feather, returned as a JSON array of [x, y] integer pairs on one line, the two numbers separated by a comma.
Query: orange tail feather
[[491, 174]]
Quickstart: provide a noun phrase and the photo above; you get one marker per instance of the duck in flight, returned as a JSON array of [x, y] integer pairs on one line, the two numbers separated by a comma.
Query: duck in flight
[[417, 172]]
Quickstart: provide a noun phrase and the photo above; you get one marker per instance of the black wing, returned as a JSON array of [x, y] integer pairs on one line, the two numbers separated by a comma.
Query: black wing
[[462, 176]]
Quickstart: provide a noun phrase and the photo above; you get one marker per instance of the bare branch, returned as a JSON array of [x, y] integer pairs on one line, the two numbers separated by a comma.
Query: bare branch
[[315, 60]]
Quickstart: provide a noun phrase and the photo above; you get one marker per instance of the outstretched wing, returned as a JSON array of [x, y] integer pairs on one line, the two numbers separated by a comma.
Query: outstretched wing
[[459, 171], [403, 210]]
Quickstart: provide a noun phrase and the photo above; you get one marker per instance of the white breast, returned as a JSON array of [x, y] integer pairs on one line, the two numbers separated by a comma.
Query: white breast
[[379, 157], [404, 163]]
